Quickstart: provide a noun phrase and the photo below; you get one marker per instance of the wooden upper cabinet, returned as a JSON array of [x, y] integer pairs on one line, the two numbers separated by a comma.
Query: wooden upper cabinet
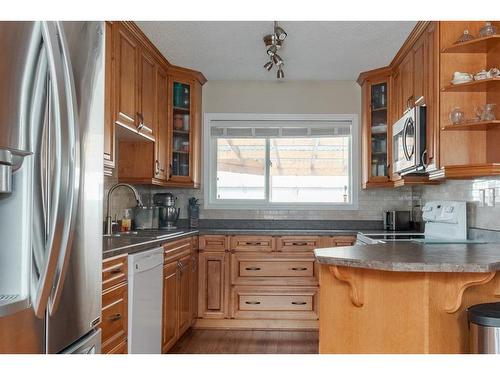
[[419, 68], [406, 71], [431, 93], [157, 108], [125, 77], [376, 137], [185, 130], [109, 126], [146, 95], [162, 144]]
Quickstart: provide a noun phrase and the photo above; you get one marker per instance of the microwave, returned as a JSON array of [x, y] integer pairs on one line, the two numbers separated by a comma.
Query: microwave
[[408, 142]]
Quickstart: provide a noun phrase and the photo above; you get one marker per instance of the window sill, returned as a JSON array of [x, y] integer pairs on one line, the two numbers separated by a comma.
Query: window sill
[[282, 206]]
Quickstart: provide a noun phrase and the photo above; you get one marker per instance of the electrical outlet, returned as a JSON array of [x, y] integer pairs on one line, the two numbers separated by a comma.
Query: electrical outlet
[[489, 197]]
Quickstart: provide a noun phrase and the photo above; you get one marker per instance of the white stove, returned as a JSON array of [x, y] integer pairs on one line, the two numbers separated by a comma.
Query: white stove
[[445, 222]]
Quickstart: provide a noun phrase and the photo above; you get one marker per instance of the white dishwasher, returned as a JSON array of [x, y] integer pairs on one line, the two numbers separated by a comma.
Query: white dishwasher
[[145, 287]]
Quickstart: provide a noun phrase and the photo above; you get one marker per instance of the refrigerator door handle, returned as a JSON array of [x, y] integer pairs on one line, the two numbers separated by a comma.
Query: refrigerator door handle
[[71, 167], [47, 269]]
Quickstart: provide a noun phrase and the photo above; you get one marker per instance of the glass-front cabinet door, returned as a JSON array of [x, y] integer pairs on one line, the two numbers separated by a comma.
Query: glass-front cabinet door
[[378, 126], [376, 134], [181, 130]]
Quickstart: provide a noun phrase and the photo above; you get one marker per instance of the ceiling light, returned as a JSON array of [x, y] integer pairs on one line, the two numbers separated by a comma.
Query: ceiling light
[[273, 43], [279, 32], [277, 59], [272, 50], [280, 74]]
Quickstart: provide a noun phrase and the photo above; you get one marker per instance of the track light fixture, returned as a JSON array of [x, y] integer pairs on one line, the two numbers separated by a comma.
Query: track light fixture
[[273, 43]]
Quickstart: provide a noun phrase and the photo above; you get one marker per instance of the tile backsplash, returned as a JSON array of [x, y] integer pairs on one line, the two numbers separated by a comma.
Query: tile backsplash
[[371, 205], [482, 194]]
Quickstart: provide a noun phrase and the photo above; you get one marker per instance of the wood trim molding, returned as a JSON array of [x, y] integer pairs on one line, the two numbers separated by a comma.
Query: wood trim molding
[[407, 45], [189, 73], [384, 71], [481, 279], [355, 292]]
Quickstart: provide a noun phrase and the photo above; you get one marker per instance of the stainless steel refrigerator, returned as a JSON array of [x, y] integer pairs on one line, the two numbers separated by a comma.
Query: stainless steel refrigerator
[[51, 178]]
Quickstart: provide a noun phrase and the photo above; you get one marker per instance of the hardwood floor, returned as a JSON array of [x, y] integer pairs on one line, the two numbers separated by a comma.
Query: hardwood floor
[[202, 341]]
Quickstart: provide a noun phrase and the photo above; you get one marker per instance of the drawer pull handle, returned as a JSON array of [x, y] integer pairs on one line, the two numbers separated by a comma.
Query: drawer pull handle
[[252, 302], [253, 268], [116, 271], [254, 243], [299, 243], [115, 317], [299, 268], [299, 303]]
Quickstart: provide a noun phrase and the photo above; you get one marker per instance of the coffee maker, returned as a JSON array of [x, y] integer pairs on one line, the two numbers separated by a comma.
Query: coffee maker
[[167, 212]]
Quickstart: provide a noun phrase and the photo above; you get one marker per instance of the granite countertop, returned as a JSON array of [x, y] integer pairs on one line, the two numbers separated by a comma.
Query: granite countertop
[[113, 246], [281, 232], [415, 257]]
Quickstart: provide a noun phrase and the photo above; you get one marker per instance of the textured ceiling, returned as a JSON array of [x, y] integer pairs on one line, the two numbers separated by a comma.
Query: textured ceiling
[[327, 50]]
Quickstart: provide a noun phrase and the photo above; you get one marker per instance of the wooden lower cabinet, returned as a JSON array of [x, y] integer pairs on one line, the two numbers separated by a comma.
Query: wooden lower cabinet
[[213, 284], [179, 291], [184, 294], [170, 306], [114, 321], [260, 282]]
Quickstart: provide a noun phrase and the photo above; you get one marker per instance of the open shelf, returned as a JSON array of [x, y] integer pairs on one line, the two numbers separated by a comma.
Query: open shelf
[[473, 126], [183, 132], [181, 109], [481, 85], [478, 45]]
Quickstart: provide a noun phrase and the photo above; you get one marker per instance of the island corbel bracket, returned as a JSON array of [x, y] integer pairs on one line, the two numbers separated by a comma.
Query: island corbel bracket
[[355, 292], [464, 285]]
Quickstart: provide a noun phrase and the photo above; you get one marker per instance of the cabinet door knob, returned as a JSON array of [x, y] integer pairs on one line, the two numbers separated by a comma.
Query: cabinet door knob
[[157, 167], [299, 303], [252, 302], [299, 268], [115, 317], [299, 243], [253, 268]]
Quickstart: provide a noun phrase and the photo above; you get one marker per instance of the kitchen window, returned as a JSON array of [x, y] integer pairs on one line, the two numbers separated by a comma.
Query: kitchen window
[[280, 161]]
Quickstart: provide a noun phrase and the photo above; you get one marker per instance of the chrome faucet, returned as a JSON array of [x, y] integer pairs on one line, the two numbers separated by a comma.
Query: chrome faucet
[[109, 222]]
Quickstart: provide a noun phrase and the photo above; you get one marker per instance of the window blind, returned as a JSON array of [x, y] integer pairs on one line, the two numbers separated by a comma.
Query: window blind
[[279, 129]]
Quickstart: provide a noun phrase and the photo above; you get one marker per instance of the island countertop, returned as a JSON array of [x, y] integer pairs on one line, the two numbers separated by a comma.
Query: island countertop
[[414, 257]]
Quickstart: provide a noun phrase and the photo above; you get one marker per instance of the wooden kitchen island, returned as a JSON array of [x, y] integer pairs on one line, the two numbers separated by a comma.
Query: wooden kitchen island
[[403, 297]]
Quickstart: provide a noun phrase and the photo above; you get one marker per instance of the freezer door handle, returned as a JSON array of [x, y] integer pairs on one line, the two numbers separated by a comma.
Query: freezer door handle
[[70, 135], [47, 239]]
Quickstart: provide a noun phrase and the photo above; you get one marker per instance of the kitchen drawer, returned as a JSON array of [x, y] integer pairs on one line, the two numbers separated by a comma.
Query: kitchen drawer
[[176, 249], [276, 268], [114, 271], [298, 243], [260, 302], [213, 243], [343, 240], [120, 348], [255, 268], [274, 302], [114, 315], [253, 243]]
